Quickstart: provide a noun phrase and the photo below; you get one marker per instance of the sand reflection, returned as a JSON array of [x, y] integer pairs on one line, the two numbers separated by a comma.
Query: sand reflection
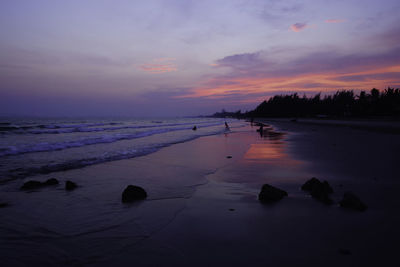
[[265, 152], [271, 149]]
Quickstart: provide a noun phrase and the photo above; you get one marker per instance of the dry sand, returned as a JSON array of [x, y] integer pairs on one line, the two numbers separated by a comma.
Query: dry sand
[[203, 209]]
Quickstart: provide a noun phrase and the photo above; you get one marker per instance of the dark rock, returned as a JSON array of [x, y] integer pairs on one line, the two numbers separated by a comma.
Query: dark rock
[[228, 157], [52, 181], [3, 204], [351, 201], [318, 190], [194, 128], [31, 185], [308, 186], [231, 209], [69, 186], [327, 187], [270, 193], [133, 193]]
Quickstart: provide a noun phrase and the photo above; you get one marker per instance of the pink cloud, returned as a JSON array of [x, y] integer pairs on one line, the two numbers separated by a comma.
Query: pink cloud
[[160, 65], [335, 20], [298, 26], [320, 71]]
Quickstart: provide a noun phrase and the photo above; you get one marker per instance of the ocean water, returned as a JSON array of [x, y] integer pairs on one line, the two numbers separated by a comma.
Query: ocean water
[[90, 226], [41, 146]]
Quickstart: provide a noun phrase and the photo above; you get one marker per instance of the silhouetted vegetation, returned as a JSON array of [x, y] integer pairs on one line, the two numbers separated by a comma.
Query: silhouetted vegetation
[[341, 104], [226, 114]]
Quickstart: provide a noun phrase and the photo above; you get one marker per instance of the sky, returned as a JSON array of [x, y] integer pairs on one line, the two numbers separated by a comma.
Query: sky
[[184, 57]]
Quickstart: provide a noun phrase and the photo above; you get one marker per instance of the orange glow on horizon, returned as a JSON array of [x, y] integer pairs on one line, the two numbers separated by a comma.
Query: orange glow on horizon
[[321, 82]]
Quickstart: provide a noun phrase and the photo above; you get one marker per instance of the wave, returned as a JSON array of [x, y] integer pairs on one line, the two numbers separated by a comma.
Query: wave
[[57, 126], [8, 127], [108, 138], [23, 129], [84, 129], [106, 157]]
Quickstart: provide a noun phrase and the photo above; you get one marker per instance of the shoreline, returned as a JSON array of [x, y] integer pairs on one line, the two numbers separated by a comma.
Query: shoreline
[[385, 126], [203, 209]]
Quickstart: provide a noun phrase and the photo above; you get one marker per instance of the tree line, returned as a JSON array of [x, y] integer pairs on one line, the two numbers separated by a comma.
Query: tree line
[[343, 103]]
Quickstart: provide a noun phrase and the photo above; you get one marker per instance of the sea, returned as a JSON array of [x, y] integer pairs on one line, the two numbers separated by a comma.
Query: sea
[[32, 146]]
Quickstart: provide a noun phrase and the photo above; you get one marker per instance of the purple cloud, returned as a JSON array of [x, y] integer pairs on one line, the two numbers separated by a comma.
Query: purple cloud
[[328, 60], [243, 63], [325, 69]]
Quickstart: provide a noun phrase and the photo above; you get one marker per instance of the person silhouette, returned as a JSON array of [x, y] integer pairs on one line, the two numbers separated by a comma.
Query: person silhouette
[[227, 126]]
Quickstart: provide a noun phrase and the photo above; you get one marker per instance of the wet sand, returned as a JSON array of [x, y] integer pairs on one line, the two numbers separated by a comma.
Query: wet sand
[[202, 207]]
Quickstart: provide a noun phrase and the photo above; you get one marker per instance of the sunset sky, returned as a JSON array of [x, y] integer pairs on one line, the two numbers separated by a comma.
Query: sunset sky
[[170, 57]]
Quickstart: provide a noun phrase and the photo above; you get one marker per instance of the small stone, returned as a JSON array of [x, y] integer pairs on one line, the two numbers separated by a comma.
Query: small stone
[[270, 193], [308, 186], [318, 190], [31, 185], [231, 209], [351, 201], [133, 193], [228, 157], [320, 194], [326, 187], [52, 181], [69, 186], [3, 204]]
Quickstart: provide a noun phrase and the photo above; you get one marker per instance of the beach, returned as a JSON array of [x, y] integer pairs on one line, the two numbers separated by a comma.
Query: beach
[[202, 206]]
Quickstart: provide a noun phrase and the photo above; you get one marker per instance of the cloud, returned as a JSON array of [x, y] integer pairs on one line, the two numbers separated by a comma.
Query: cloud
[[297, 27], [389, 38], [160, 65], [242, 62], [335, 20], [254, 74], [273, 12]]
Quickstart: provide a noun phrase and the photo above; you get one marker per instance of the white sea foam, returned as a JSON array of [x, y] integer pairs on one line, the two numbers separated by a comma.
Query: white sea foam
[[94, 142], [105, 138]]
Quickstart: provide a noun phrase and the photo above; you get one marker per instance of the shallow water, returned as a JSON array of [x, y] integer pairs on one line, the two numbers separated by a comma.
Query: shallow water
[[51, 226], [35, 146], [202, 209]]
